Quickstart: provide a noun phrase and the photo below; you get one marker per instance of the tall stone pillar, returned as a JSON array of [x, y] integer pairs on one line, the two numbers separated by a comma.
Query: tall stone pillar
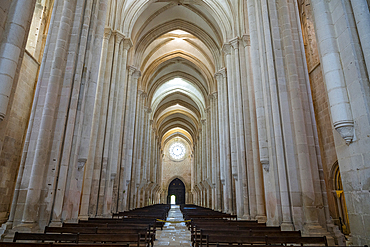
[[344, 60], [258, 178], [231, 111], [12, 48], [90, 129], [110, 145], [216, 155], [257, 84], [341, 113], [44, 138], [239, 114], [118, 123], [128, 142], [212, 165], [362, 17], [302, 127], [138, 152], [89, 200], [225, 155]]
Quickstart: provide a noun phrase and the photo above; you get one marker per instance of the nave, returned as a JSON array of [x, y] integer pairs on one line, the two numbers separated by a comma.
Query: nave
[[175, 232], [255, 108], [164, 225]]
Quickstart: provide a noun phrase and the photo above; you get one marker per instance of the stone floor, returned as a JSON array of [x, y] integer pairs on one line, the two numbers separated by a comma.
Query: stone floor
[[173, 234]]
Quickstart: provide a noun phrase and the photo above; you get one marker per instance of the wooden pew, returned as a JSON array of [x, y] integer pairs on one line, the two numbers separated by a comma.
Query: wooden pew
[[122, 238], [42, 237], [122, 221], [12, 244], [145, 234], [218, 240], [232, 228], [280, 240], [200, 239], [151, 227]]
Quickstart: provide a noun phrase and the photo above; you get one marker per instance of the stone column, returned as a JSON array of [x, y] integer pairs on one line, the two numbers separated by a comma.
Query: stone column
[[112, 127], [89, 130], [118, 121], [146, 156], [204, 153], [209, 145], [226, 172], [243, 183], [231, 111], [341, 113], [101, 157], [138, 141], [276, 117], [12, 47], [128, 141], [258, 178], [362, 17], [300, 122], [89, 177], [212, 165], [44, 137], [257, 82], [75, 88], [217, 152]]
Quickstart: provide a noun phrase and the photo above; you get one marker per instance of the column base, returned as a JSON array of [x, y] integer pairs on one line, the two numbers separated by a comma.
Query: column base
[[244, 217], [261, 219], [56, 223], [287, 226], [83, 217], [316, 230], [4, 228], [25, 226], [339, 238]]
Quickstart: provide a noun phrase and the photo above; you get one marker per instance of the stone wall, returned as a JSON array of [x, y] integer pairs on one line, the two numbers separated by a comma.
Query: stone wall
[[172, 169], [15, 132]]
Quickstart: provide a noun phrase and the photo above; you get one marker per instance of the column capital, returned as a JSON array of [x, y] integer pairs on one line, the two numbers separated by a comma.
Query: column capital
[[246, 40], [127, 43], [207, 109], [107, 32], [235, 43], [141, 93], [137, 74], [134, 72], [221, 72], [203, 120], [147, 109], [226, 48], [131, 70], [119, 36], [215, 95]]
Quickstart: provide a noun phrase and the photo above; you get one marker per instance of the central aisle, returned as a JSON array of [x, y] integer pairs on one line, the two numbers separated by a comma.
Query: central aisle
[[173, 234]]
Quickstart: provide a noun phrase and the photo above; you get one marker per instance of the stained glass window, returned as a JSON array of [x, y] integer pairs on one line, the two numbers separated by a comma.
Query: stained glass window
[[177, 150]]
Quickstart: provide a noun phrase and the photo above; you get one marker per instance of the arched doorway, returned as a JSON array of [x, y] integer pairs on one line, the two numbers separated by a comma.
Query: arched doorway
[[177, 189]]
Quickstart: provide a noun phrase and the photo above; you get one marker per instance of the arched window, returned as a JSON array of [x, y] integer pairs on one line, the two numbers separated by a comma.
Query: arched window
[[340, 200]]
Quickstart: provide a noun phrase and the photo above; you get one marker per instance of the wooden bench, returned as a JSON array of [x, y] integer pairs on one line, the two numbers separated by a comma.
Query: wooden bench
[[127, 239], [199, 239], [52, 237], [145, 234], [219, 240], [151, 227], [280, 240], [152, 221]]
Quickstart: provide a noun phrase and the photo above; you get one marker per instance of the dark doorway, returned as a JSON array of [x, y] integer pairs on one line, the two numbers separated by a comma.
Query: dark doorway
[[176, 188]]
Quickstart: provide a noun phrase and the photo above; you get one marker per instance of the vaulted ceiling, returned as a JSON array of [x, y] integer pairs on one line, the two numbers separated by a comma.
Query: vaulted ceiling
[[177, 47]]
